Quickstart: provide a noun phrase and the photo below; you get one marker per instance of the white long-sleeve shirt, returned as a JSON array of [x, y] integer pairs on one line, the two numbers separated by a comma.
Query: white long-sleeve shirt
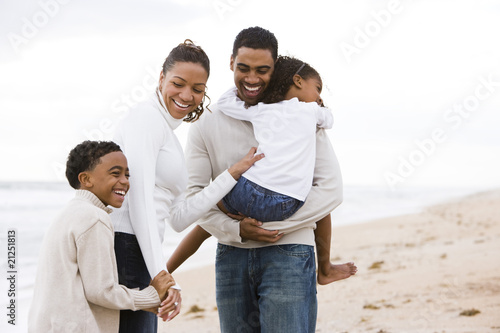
[[217, 141], [286, 132], [158, 180]]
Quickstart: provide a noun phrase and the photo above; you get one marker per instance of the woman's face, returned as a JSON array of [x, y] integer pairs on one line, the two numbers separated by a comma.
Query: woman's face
[[183, 88]]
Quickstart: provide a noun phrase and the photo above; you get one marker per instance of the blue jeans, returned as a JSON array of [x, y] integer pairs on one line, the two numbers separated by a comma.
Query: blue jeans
[[260, 203], [270, 289], [133, 273]]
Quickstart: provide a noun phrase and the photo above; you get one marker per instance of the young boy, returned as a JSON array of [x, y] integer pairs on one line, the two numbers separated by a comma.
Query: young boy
[[76, 288]]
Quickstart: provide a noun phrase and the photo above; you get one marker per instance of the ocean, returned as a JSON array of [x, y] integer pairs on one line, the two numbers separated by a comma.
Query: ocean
[[28, 208]]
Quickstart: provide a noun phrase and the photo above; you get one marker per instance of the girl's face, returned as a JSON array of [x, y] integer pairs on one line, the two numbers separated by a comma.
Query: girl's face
[[310, 91], [183, 88]]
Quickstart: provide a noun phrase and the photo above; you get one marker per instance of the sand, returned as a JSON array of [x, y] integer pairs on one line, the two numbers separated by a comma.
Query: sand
[[437, 271]]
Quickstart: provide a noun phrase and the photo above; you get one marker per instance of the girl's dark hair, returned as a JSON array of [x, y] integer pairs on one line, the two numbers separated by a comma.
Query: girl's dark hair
[[282, 79], [85, 157], [189, 52]]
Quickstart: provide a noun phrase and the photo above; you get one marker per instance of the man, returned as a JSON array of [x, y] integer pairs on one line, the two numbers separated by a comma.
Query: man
[[265, 278]]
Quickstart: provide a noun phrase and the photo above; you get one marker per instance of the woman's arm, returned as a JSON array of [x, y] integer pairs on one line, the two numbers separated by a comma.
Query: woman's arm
[[188, 210]]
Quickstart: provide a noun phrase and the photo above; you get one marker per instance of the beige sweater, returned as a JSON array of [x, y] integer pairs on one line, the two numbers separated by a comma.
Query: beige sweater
[[76, 287], [217, 141]]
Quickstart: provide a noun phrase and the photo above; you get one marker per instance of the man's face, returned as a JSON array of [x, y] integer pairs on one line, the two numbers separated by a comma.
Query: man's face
[[252, 72]]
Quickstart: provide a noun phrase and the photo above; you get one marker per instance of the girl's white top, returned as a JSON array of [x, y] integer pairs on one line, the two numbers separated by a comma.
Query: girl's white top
[[158, 180], [286, 133]]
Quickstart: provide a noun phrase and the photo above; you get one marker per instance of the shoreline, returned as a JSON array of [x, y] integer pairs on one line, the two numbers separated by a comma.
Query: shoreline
[[425, 272]]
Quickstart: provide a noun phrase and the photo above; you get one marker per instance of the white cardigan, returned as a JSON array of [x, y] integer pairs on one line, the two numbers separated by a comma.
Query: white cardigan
[[158, 180], [286, 132]]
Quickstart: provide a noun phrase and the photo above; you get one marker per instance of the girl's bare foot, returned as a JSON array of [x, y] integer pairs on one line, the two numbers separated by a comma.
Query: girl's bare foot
[[330, 273]]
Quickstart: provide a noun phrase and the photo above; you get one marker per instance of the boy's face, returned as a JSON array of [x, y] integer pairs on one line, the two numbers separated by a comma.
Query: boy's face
[[252, 72], [109, 179]]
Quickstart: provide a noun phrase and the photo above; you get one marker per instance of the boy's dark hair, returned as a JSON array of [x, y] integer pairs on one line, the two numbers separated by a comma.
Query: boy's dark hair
[[188, 52], [256, 38], [285, 69], [85, 157]]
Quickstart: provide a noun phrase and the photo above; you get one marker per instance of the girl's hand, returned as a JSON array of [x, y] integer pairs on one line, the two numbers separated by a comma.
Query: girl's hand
[[245, 163]]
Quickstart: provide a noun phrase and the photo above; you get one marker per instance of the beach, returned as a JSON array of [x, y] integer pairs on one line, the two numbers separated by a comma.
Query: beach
[[434, 271]]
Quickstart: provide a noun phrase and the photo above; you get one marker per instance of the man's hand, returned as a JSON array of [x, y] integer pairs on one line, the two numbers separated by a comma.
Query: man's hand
[[251, 229], [171, 306], [162, 282]]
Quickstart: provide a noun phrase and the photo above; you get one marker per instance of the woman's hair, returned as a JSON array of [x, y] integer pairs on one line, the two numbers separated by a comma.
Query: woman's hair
[[282, 79], [189, 52], [85, 157]]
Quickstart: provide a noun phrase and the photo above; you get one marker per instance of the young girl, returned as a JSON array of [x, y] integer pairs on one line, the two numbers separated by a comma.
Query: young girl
[[277, 186]]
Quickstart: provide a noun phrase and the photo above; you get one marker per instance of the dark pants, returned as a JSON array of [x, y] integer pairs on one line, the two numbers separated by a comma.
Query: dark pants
[[133, 273]]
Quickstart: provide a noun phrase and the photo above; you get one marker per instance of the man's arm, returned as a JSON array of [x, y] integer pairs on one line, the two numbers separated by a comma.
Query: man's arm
[[199, 169], [325, 194]]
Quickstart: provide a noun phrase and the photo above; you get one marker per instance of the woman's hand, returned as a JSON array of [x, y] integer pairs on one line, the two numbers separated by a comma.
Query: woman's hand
[[171, 306], [162, 283], [245, 163]]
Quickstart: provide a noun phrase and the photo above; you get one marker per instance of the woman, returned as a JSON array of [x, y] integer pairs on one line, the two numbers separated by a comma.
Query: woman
[[159, 178]]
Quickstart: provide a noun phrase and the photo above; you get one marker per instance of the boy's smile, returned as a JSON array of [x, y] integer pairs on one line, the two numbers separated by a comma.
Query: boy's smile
[[109, 179]]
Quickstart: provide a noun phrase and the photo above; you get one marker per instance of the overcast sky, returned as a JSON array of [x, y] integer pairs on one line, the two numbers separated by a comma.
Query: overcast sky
[[414, 85]]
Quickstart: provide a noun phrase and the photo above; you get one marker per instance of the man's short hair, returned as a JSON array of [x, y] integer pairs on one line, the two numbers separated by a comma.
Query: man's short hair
[[256, 38], [85, 157]]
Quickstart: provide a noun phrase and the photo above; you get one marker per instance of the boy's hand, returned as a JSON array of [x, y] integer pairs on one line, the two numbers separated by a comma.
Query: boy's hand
[[162, 282], [245, 163]]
